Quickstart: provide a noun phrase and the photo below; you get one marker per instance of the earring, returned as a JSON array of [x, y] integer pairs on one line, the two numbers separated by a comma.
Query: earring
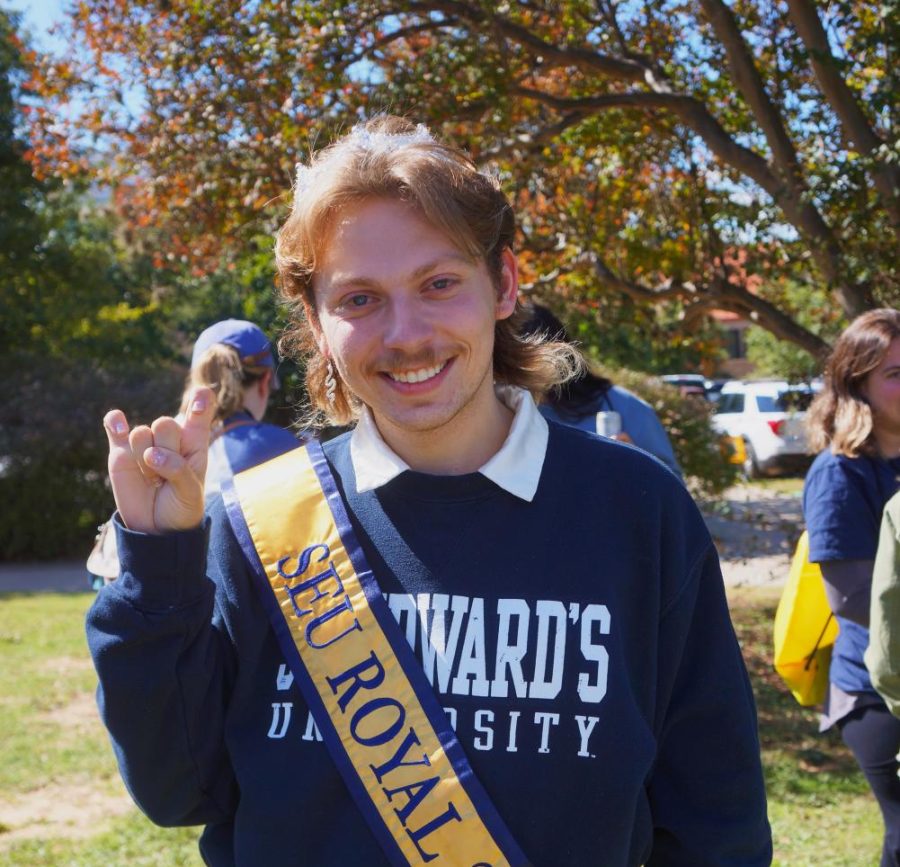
[[330, 382]]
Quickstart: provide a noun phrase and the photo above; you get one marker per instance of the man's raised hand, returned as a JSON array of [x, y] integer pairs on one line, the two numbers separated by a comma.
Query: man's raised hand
[[157, 472]]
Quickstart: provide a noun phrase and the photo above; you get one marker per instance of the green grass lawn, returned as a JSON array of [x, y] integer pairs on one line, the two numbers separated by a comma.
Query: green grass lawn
[[821, 810], [62, 803]]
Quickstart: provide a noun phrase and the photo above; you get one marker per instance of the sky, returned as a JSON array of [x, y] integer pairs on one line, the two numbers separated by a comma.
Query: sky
[[38, 17]]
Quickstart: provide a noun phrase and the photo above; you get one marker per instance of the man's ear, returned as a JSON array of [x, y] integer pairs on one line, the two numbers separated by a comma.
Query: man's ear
[[508, 289]]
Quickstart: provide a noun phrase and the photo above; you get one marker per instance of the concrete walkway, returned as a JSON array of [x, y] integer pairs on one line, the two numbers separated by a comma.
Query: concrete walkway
[[755, 531], [67, 576]]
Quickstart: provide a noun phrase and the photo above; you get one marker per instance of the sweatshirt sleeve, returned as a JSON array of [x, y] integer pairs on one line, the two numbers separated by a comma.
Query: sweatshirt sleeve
[[706, 790], [883, 652], [165, 665]]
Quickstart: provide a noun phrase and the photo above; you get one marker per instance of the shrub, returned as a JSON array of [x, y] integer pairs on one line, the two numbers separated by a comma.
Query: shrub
[[53, 450], [688, 422]]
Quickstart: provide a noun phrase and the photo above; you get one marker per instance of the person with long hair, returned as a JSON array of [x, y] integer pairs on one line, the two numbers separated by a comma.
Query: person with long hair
[[234, 360], [453, 634], [855, 421], [578, 401]]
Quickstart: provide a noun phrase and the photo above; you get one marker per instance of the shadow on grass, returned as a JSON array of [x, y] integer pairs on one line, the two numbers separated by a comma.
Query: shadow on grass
[[800, 763]]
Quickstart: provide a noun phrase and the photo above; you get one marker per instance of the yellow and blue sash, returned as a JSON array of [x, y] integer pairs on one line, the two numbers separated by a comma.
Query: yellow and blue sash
[[370, 698]]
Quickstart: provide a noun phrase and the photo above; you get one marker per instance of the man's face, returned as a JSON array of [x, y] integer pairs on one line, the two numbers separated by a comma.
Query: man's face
[[408, 319]]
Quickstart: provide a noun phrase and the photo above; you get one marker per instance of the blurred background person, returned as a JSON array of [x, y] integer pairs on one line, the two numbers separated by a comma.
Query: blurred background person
[[589, 402], [883, 653], [234, 359], [855, 421]]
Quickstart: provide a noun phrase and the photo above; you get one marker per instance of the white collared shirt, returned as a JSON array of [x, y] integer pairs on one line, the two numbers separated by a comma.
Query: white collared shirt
[[516, 467]]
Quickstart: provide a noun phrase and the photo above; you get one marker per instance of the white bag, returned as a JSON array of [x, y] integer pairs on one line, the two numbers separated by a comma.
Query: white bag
[[103, 560]]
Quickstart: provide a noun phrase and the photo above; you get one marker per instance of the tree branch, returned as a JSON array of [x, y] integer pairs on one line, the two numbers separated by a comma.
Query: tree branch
[[667, 291], [535, 140], [799, 210], [750, 84], [737, 298], [390, 38], [719, 294], [785, 188], [853, 119], [609, 13], [692, 112], [588, 61]]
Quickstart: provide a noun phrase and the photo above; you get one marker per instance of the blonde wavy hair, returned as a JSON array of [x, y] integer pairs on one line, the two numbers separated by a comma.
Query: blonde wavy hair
[[840, 417], [220, 369], [389, 157]]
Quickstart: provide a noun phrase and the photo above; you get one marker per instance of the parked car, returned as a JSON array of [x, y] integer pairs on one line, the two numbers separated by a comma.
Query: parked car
[[686, 383], [765, 418], [714, 389]]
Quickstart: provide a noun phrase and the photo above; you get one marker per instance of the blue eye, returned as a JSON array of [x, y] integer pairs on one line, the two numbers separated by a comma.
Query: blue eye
[[441, 283], [359, 300]]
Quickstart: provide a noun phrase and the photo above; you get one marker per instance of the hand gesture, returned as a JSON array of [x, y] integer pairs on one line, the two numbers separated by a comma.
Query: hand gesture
[[157, 472]]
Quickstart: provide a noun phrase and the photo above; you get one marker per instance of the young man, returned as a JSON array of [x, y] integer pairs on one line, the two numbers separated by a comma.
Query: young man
[[545, 671]]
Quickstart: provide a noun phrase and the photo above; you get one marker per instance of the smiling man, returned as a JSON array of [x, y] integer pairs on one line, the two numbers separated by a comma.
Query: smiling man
[[408, 321], [456, 634]]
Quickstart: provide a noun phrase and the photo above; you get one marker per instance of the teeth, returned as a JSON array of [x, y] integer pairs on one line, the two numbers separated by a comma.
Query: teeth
[[417, 375]]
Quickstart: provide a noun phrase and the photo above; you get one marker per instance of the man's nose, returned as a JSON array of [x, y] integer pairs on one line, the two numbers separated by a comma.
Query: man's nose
[[408, 326]]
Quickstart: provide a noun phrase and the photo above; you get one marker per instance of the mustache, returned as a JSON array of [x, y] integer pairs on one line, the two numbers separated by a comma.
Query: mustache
[[400, 362]]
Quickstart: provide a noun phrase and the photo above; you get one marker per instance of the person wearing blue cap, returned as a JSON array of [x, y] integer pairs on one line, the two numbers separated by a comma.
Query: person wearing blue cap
[[233, 358]]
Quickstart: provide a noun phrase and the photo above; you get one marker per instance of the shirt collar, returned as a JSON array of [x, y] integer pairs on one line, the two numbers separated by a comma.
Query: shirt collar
[[516, 467]]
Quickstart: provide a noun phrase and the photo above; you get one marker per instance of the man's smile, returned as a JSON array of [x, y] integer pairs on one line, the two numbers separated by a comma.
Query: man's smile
[[420, 375]]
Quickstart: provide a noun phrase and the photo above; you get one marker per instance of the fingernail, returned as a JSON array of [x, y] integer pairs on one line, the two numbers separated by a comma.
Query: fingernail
[[156, 458], [198, 405], [119, 427]]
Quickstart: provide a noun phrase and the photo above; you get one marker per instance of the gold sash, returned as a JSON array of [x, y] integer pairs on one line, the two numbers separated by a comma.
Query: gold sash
[[372, 703]]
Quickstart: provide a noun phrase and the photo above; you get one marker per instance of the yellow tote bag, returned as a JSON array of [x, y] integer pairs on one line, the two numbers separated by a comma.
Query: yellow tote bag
[[805, 630]]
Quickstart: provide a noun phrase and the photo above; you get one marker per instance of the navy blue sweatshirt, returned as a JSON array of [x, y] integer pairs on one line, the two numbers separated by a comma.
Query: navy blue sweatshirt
[[580, 643]]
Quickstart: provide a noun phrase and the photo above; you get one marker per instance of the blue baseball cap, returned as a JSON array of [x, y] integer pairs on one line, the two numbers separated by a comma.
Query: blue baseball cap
[[247, 338]]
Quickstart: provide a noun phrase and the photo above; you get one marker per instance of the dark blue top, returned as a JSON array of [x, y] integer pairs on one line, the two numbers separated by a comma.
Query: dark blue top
[[843, 499], [639, 421], [243, 443], [580, 644]]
